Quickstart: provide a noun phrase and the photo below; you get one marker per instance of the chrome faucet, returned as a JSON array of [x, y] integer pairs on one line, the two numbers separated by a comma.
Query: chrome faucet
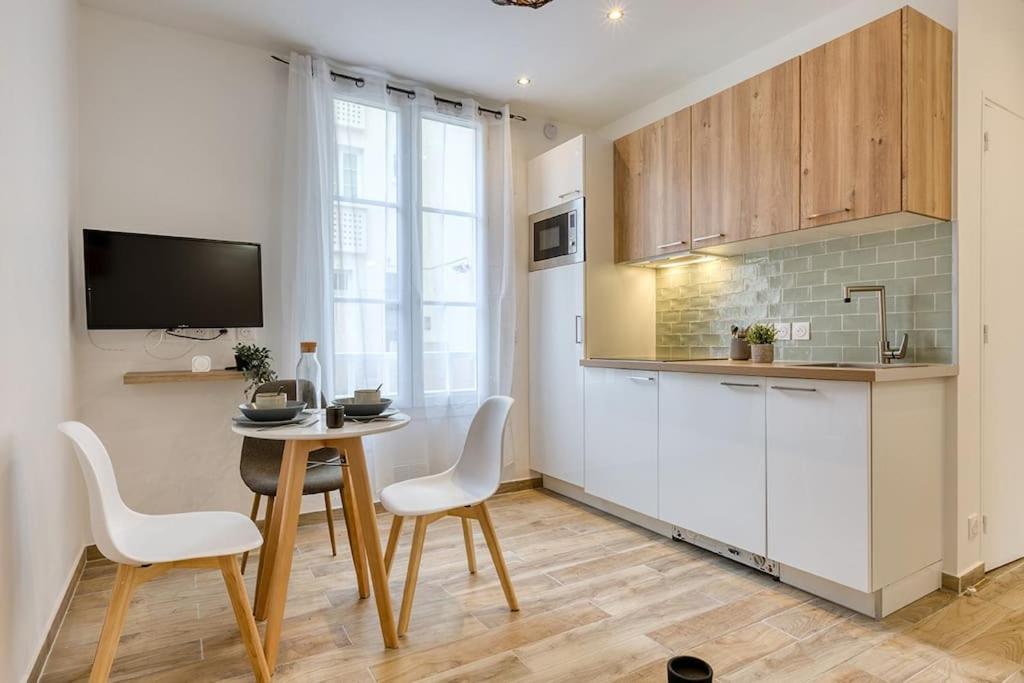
[[886, 354]]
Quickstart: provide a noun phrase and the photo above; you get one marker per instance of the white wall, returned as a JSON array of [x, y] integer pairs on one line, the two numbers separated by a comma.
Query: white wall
[[179, 134], [990, 64], [805, 38], [42, 528]]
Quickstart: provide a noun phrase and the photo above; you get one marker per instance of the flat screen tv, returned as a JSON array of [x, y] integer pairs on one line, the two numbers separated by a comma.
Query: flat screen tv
[[144, 282]]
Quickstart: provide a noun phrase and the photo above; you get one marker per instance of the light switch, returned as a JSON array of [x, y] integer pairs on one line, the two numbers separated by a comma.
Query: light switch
[[781, 331], [802, 331]]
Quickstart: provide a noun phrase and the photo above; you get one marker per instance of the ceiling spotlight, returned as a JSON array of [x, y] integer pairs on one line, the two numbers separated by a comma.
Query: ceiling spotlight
[[615, 14], [523, 81]]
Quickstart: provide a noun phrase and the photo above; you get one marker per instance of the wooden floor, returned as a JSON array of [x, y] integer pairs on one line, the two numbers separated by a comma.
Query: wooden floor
[[600, 599]]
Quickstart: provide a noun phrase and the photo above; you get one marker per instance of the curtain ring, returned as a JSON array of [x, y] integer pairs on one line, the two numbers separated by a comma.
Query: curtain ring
[[360, 82], [411, 95]]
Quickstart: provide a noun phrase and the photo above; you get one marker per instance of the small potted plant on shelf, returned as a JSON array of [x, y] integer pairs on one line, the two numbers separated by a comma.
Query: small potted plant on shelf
[[254, 362], [761, 337]]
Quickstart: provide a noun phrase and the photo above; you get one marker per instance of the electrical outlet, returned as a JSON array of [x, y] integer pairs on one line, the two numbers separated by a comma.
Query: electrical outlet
[[802, 331], [245, 334], [782, 331], [973, 526]]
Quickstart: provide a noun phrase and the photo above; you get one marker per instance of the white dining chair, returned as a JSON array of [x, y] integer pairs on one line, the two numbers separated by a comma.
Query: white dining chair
[[460, 491], [146, 546]]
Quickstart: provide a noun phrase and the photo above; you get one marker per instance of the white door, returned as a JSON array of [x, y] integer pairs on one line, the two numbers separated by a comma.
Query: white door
[[711, 456], [819, 478], [556, 176], [556, 377], [621, 438], [1002, 431]]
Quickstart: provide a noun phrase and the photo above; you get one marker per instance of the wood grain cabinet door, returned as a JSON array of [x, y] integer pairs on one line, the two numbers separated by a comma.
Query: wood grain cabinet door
[[851, 125], [652, 189], [746, 159], [667, 185]]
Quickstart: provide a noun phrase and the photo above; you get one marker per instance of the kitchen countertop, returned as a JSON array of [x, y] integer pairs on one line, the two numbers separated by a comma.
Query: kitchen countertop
[[894, 373]]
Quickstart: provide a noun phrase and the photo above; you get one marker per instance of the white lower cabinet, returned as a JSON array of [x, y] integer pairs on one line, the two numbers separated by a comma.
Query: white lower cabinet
[[621, 437], [711, 457], [819, 478]]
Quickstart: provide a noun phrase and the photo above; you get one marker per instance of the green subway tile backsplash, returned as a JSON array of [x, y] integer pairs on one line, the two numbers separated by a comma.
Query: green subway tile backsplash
[[698, 304]]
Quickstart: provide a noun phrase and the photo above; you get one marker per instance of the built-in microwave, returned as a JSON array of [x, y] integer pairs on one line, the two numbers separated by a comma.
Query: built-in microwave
[[557, 236]]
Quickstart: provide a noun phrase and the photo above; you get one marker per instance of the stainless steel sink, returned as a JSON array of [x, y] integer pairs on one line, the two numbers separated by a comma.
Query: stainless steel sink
[[866, 366]]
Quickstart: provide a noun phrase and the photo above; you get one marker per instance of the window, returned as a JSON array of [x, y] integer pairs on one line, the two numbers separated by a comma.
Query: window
[[365, 247], [406, 318], [351, 160], [450, 269]]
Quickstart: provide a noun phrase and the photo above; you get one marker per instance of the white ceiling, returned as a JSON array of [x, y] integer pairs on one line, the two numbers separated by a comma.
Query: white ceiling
[[584, 69]]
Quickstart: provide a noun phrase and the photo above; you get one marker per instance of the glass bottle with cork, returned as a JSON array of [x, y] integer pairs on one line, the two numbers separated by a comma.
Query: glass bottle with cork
[[307, 376]]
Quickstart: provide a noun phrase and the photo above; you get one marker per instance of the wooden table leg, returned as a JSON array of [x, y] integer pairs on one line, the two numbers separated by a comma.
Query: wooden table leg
[[281, 541], [363, 495], [355, 533]]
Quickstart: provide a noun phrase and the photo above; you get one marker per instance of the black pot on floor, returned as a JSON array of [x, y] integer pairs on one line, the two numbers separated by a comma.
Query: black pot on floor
[[688, 669]]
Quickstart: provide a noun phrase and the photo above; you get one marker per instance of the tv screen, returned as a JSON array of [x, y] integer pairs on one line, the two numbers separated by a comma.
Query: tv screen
[[143, 282]]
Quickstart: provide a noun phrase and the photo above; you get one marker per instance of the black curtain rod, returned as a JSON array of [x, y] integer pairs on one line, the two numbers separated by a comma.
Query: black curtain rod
[[360, 82]]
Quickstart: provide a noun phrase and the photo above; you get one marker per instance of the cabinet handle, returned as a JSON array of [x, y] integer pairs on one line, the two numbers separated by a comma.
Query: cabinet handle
[[566, 194], [641, 378], [677, 243], [739, 384], [579, 329], [709, 237], [826, 213], [794, 388]]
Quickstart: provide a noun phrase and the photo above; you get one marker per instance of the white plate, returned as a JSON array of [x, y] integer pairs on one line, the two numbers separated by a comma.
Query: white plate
[[243, 421]]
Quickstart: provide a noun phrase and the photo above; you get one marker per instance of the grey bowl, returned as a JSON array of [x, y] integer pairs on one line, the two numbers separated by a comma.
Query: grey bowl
[[291, 409], [362, 409]]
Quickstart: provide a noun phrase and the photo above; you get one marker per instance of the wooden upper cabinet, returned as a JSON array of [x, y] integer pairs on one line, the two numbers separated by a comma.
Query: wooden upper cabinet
[[629, 237], [652, 189], [851, 117], [927, 116], [746, 159], [875, 117]]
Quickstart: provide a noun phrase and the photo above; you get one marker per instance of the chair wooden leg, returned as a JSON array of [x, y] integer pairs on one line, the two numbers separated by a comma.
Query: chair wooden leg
[[243, 615], [396, 531], [330, 522], [499, 560], [259, 597], [252, 516], [467, 534], [124, 586], [355, 535], [412, 575]]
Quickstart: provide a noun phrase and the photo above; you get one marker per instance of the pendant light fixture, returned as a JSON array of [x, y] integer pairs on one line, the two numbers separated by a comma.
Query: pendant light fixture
[[535, 4]]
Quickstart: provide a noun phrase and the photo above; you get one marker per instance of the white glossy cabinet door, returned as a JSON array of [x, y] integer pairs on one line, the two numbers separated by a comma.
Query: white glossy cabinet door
[[621, 438], [556, 377], [711, 456], [556, 176], [819, 478]]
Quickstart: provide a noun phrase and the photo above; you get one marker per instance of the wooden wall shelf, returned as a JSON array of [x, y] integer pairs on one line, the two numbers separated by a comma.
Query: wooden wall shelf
[[165, 376]]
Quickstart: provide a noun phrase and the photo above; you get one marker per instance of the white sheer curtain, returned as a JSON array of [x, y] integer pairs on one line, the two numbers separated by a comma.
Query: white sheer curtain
[[307, 198], [419, 290]]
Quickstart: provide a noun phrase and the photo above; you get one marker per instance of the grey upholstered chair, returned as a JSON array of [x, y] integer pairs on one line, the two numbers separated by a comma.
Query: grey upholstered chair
[[260, 467]]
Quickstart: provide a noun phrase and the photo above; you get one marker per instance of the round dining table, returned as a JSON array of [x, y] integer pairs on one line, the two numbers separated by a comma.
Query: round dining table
[[280, 529]]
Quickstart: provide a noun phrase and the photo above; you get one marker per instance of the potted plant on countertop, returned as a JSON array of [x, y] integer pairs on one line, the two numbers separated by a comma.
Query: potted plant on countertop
[[254, 362], [762, 339]]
